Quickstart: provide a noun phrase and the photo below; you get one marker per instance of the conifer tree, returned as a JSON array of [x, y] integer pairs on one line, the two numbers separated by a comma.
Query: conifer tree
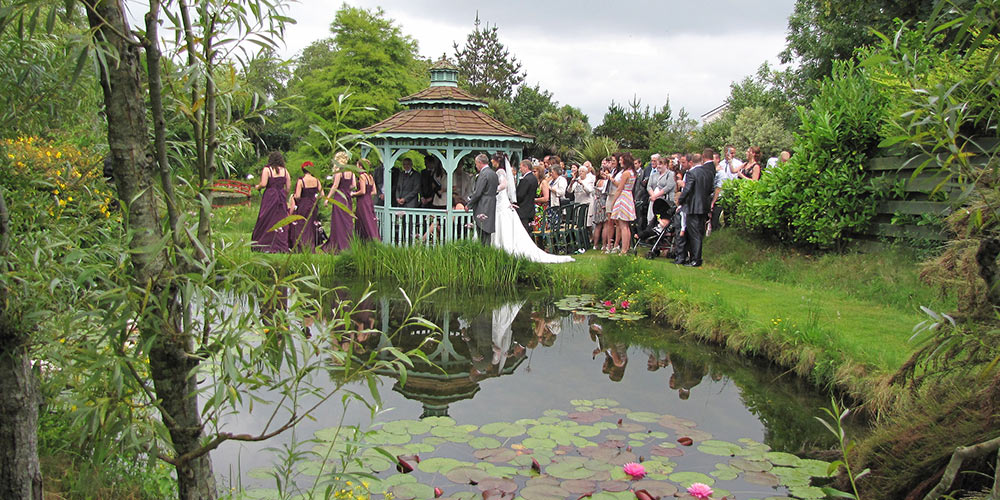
[[485, 67]]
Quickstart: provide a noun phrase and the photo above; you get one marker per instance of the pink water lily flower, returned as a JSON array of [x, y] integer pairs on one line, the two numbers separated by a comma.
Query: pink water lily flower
[[612, 311], [637, 471], [700, 490], [607, 303], [624, 304]]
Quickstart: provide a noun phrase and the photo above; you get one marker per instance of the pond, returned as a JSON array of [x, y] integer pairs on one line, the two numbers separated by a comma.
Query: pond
[[517, 383]]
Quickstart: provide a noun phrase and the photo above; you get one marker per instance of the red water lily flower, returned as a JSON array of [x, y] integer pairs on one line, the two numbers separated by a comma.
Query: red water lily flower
[[624, 304]]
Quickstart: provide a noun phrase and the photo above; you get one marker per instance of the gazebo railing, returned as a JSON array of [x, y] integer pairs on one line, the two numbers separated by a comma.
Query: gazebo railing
[[411, 226]]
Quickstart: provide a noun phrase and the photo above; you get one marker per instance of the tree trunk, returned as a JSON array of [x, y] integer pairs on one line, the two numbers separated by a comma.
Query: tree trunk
[[20, 474], [172, 368]]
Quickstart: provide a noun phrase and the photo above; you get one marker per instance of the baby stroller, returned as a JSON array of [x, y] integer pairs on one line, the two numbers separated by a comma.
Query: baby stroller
[[660, 231]]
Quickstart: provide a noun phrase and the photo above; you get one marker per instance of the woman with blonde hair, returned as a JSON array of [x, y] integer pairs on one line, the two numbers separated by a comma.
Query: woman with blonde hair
[[342, 218]]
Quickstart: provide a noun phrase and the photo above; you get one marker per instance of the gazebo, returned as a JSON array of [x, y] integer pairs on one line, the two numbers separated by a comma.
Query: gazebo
[[448, 123]]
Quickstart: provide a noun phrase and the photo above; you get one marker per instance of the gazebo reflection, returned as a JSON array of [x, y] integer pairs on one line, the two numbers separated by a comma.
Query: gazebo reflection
[[471, 347]]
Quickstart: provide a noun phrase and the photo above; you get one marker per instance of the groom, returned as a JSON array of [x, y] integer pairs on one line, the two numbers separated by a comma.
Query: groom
[[483, 201]]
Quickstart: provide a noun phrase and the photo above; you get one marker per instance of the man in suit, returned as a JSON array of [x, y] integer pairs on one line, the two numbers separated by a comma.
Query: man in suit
[[639, 193], [527, 187], [483, 201], [699, 185], [406, 186]]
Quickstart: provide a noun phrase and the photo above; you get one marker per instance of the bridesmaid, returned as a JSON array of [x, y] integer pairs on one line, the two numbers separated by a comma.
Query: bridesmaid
[[342, 218], [367, 224], [274, 180], [302, 233]]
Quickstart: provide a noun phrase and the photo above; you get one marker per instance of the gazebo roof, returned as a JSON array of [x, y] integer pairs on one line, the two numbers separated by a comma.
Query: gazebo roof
[[443, 110], [437, 122]]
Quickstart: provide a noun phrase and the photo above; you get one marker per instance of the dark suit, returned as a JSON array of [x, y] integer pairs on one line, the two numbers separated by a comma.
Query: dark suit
[[484, 202], [697, 198], [406, 186], [640, 195], [527, 188]]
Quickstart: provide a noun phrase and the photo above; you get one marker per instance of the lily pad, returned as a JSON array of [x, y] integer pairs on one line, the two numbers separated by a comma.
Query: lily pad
[[543, 492], [483, 442], [750, 465], [686, 479], [614, 486], [783, 459], [440, 464], [579, 486], [439, 421], [494, 483], [466, 475], [496, 455], [569, 470], [539, 443], [411, 427], [725, 472], [606, 402], [644, 416], [806, 492], [719, 448], [815, 468], [554, 413], [581, 402], [411, 491], [503, 429], [761, 478], [585, 417], [656, 488]]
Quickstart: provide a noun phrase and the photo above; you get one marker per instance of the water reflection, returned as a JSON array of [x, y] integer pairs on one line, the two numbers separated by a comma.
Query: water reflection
[[511, 358], [479, 342]]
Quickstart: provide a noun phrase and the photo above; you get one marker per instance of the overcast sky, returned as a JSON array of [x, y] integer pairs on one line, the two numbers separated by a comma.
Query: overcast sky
[[590, 52]]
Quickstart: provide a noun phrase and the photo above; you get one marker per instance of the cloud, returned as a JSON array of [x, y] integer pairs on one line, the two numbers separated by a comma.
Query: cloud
[[590, 53]]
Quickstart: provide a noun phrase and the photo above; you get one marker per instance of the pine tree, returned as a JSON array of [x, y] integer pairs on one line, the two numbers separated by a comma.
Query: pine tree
[[485, 67]]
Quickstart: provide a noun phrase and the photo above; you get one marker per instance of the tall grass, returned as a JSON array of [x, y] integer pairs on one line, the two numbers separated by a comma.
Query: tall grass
[[460, 265]]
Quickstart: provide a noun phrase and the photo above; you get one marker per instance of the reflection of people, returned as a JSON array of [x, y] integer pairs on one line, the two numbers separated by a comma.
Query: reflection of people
[[503, 318], [615, 359], [656, 362], [687, 374]]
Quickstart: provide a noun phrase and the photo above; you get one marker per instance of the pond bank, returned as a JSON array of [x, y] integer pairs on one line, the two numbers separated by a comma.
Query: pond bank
[[838, 320]]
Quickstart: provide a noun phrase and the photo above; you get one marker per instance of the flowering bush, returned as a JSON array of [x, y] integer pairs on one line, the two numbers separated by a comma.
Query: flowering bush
[[54, 179]]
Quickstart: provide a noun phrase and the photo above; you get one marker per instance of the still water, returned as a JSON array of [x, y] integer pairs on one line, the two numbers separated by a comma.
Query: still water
[[508, 359]]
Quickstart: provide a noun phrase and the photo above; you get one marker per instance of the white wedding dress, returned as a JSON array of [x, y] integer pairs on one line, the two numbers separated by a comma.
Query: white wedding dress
[[509, 235]]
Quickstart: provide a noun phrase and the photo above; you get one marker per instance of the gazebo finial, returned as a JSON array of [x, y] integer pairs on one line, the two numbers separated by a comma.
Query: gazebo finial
[[444, 73]]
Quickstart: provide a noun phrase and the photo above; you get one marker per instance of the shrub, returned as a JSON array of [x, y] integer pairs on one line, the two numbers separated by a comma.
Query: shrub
[[821, 195]]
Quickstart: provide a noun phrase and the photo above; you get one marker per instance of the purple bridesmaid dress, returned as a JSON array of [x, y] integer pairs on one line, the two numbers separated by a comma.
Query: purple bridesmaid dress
[[302, 233], [341, 221], [273, 208], [367, 223]]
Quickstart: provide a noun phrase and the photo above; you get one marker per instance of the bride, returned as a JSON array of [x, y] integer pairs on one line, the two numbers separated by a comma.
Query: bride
[[509, 234]]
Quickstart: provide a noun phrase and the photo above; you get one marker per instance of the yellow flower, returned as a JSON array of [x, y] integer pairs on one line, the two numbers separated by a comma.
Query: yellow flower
[[62, 341], [55, 192], [48, 153], [58, 154], [62, 203], [10, 156], [69, 199]]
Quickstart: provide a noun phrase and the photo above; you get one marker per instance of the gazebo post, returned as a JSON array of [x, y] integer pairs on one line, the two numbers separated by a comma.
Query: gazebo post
[[389, 157]]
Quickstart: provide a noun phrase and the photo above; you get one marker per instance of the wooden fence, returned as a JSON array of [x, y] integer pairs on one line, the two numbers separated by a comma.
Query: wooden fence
[[923, 200]]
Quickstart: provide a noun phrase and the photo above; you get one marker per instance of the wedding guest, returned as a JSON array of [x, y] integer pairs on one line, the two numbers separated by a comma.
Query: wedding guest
[[342, 218], [544, 193], [661, 184], [527, 188], [597, 215], [583, 188], [623, 212], [366, 225], [406, 186], [557, 185], [302, 234], [751, 169], [275, 182]]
